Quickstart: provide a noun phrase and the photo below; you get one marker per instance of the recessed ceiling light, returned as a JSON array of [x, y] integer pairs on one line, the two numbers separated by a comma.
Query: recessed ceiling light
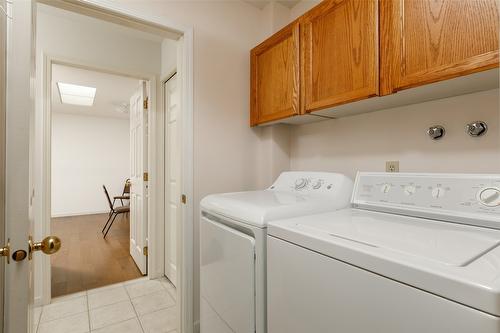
[[76, 95]]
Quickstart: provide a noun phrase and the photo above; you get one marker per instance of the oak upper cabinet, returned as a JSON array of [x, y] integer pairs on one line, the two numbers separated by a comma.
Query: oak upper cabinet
[[424, 41], [275, 77], [339, 49]]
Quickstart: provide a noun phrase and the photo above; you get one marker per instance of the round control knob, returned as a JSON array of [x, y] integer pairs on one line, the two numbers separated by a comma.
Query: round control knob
[[301, 183], [385, 188], [317, 184], [410, 190], [489, 196], [438, 192]]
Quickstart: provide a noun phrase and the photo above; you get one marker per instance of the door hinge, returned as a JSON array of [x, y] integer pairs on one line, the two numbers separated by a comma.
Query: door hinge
[[145, 104], [183, 199], [145, 251], [145, 176]]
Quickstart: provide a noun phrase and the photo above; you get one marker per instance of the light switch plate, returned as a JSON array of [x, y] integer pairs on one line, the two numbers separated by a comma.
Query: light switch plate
[[392, 166]]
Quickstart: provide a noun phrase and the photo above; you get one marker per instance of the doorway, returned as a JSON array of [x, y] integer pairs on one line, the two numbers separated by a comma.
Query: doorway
[[91, 172], [140, 244]]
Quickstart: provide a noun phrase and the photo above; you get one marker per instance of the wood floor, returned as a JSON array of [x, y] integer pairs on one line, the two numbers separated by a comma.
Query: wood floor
[[86, 260]]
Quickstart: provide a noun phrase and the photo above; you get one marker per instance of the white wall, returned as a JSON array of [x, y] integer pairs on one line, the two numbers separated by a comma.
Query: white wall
[[366, 141], [87, 152], [168, 57]]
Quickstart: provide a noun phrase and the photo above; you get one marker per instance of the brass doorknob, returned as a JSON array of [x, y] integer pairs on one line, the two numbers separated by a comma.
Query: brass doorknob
[[49, 245], [5, 251]]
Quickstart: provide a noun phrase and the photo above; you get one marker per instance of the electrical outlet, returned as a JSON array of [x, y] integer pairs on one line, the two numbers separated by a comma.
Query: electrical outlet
[[392, 166]]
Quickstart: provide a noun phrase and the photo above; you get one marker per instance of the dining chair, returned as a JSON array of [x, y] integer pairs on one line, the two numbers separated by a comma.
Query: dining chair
[[113, 213], [125, 194]]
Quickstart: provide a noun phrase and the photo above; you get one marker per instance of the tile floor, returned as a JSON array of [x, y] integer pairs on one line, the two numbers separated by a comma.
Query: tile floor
[[136, 306]]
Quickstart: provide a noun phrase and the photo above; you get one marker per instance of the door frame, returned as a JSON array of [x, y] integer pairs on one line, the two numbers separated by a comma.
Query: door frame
[[46, 156], [156, 211]]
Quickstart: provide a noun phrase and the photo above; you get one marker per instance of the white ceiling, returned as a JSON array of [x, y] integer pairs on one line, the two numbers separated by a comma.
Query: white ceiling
[[262, 3], [113, 91]]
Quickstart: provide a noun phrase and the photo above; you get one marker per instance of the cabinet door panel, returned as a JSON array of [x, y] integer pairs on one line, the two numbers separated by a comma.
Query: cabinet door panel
[[275, 77], [340, 53], [424, 41]]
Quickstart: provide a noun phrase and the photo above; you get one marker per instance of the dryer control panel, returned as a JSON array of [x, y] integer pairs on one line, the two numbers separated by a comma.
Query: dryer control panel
[[464, 198], [320, 183]]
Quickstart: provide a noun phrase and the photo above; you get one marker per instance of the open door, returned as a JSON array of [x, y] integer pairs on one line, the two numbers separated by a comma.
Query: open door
[[3, 92], [138, 177], [18, 194], [18, 293], [172, 175]]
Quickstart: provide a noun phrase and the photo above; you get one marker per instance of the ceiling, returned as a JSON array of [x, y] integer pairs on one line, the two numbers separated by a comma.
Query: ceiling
[[262, 3], [112, 95]]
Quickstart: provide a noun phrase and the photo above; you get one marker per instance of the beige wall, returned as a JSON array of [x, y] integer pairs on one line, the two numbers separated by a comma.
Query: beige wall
[[302, 7], [366, 141], [226, 149]]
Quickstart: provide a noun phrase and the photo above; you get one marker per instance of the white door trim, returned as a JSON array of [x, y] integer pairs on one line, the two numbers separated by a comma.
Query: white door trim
[[156, 209]]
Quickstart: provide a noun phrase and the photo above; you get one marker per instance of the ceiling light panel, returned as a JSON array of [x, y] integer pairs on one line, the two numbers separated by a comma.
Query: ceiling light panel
[[76, 95]]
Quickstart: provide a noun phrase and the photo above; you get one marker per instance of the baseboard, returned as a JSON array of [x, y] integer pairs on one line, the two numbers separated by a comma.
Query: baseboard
[[80, 213]]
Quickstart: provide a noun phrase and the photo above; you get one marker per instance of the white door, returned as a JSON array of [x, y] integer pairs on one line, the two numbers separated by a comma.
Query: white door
[[3, 64], [14, 159], [138, 177], [172, 175]]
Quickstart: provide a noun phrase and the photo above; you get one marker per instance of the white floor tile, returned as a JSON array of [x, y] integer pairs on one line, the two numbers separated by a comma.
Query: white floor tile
[[111, 314], [173, 293], [141, 279], [111, 286], [152, 302], [143, 288], [129, 326], [167, 284], [64, 309], [73, 324], [68, 297], [107, 297], [160, 321]]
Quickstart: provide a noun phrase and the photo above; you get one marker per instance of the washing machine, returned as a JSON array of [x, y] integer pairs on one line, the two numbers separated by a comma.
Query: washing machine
[[233, 229], [414, 253]]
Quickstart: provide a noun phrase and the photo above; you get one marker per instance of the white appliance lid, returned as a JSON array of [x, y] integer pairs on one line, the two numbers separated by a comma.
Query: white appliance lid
[[456, 261], [292, 194]]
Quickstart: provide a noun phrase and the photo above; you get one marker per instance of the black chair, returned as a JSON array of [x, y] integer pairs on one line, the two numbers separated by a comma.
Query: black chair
[[113, 213], [125, 194]]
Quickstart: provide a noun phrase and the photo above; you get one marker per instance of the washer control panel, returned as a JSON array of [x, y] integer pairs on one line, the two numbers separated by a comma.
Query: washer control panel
[[472, 196]]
